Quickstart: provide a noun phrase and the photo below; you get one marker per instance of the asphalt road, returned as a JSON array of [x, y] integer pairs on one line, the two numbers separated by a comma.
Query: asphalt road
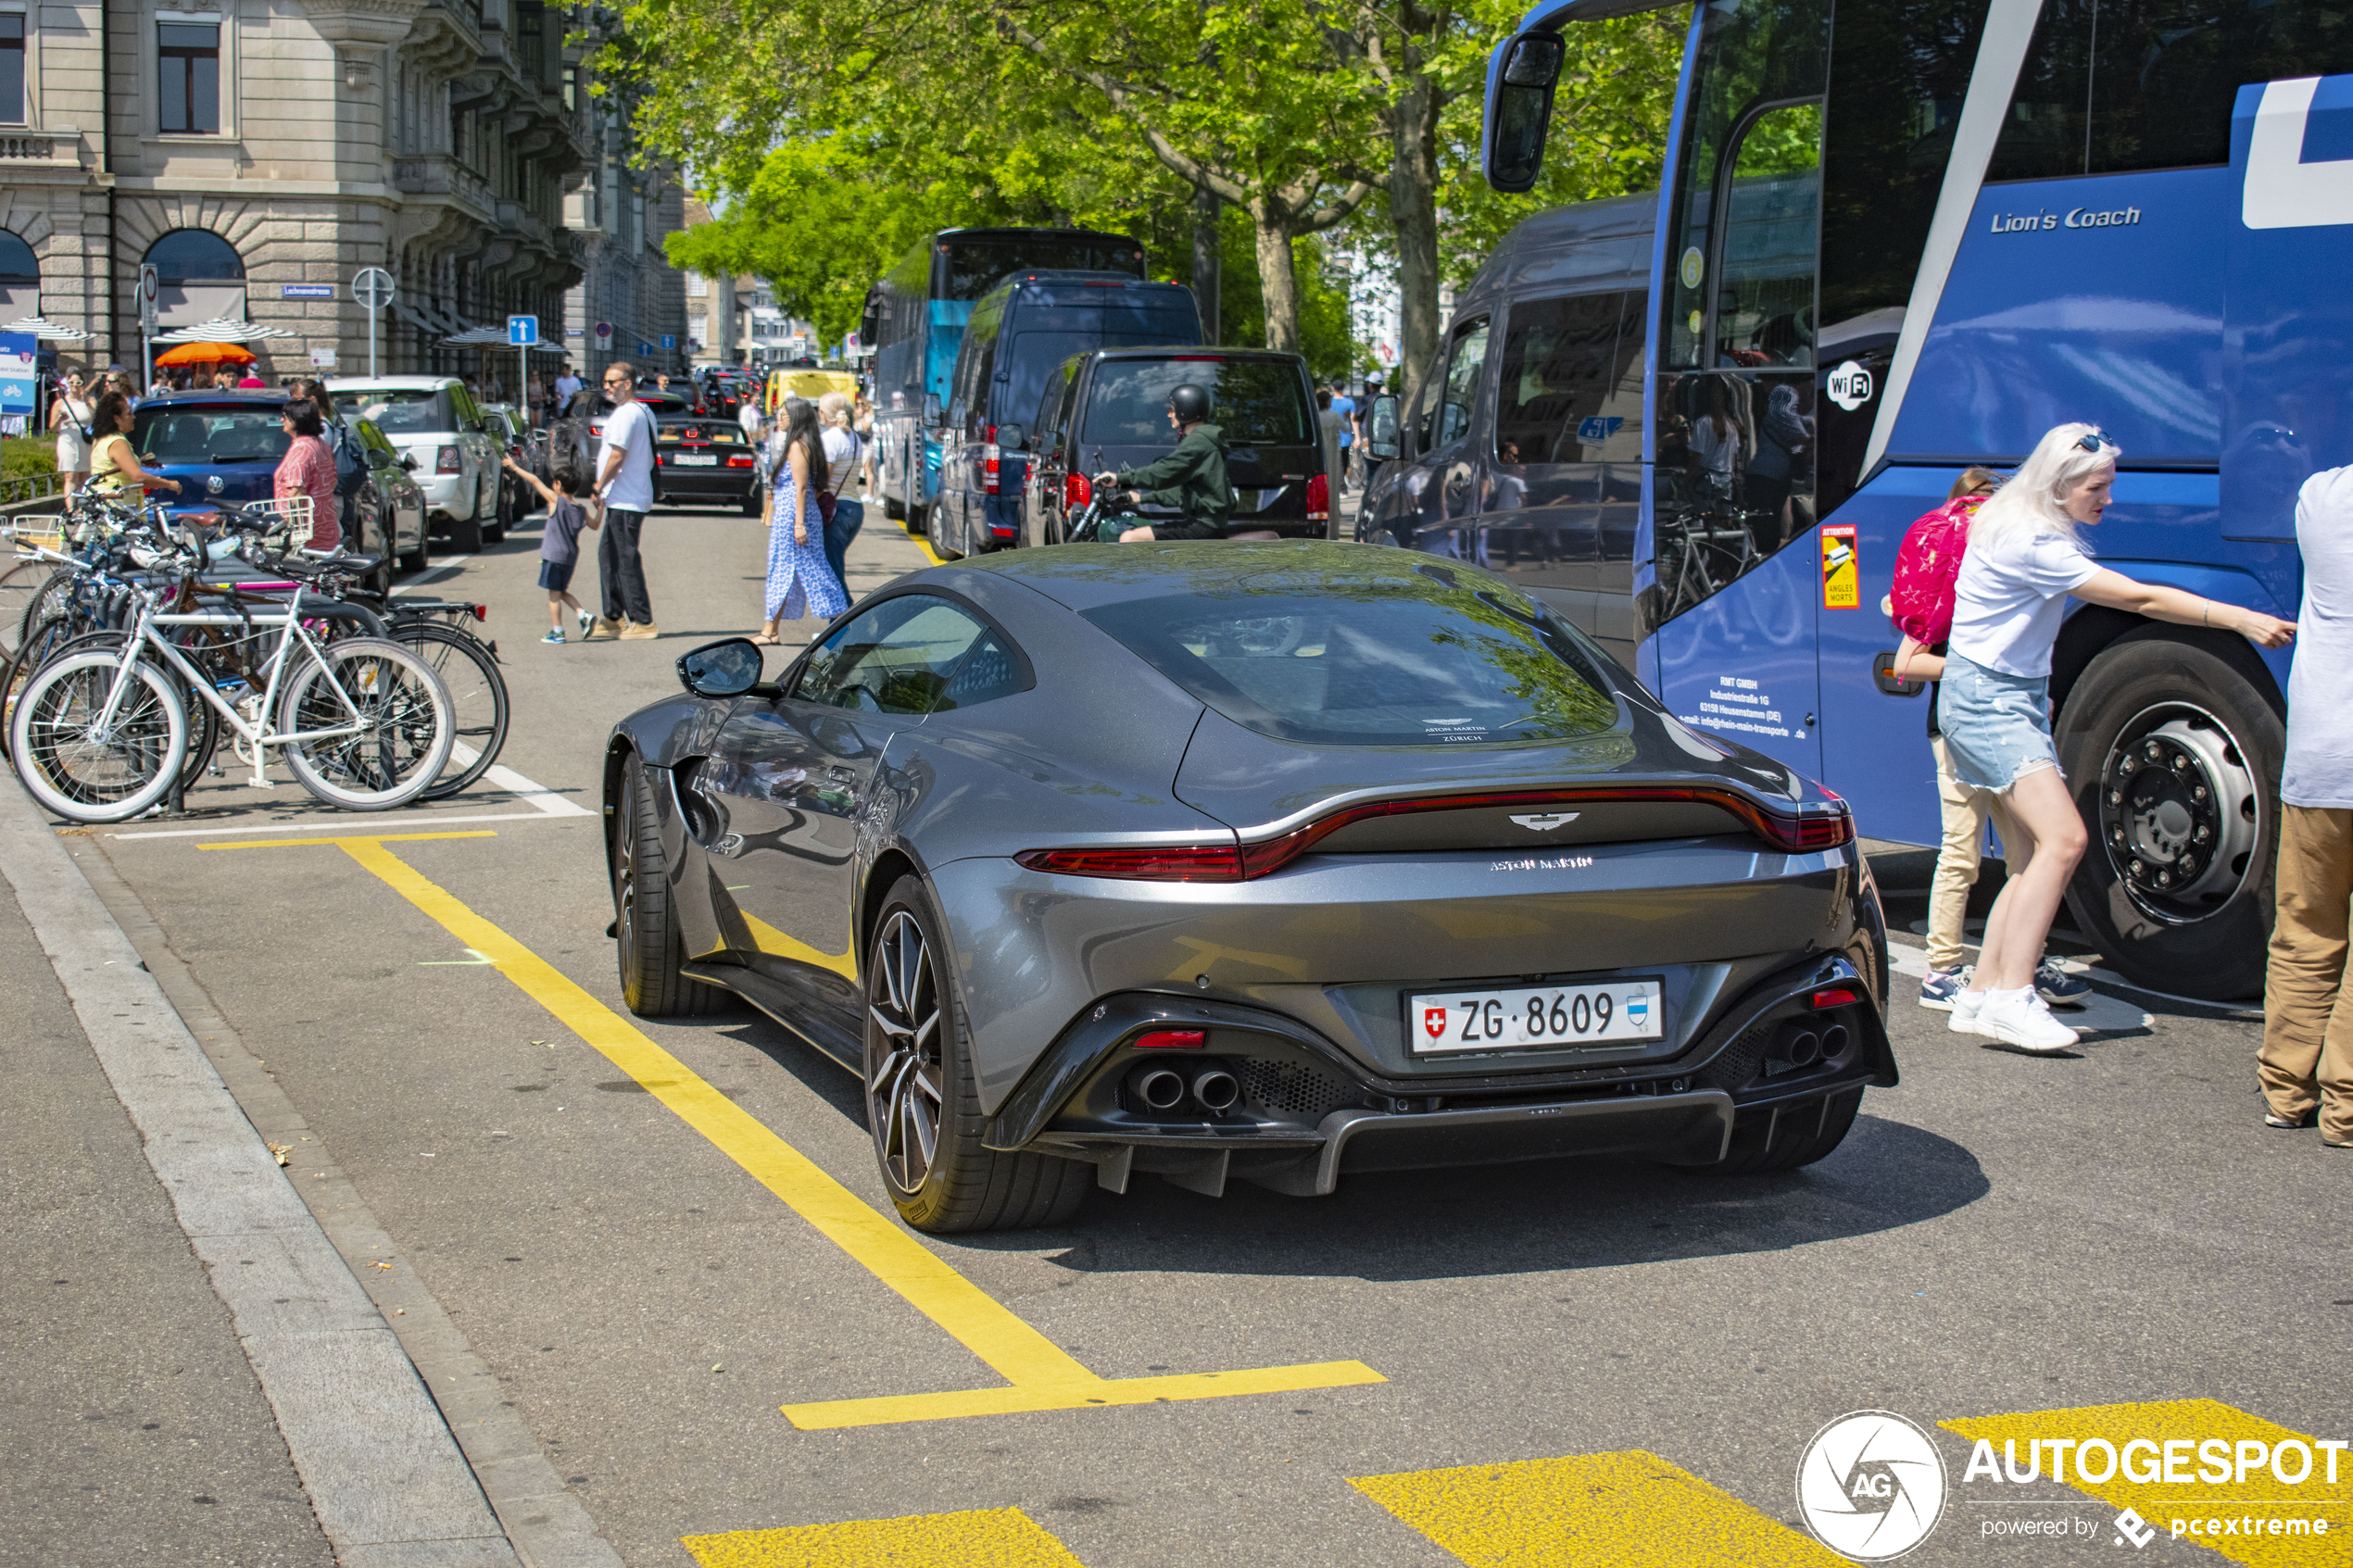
[[2000, 1235]]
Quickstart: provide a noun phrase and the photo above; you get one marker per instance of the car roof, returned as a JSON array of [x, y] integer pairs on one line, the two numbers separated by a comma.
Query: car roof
[[224, 397], [1085, 577], [389, 383]]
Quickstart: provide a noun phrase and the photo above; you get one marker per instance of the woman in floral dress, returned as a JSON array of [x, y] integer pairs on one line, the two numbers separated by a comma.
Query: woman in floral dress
[[800, 582]]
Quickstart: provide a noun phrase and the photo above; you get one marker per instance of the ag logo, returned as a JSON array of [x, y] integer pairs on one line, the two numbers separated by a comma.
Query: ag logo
[[1871, 1485], [1850, 386], [1434, 1022]]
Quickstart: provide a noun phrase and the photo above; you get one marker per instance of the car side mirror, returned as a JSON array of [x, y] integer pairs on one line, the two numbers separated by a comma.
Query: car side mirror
[[726, 669], [931, 408], [1521, 75], [1013, 436], [1380, 427], [408, 461]]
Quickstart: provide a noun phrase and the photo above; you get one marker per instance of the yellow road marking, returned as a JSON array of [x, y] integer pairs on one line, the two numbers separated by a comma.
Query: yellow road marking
[[936, 559], [777, 945], [1043, 1376], [2159, 1502], [991, 1537], [1625, 1510]]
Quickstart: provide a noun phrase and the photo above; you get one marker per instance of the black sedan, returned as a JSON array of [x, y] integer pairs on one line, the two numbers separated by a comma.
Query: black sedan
[[1267, 862], [705, 462]]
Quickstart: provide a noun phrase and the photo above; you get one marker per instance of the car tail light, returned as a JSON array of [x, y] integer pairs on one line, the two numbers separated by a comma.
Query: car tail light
[[989, 464], [1840, 997], [739, 463], [1078, 490], [444, 460], [1791, 834], [1001, 531], [1319, 497], [1171, 1040]]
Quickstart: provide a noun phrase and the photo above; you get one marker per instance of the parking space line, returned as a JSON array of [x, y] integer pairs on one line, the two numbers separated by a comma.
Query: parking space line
[[1042, 1376], [435, 574], [2252, 1491], [1623, 1509], [999, 1537], [342, 824]]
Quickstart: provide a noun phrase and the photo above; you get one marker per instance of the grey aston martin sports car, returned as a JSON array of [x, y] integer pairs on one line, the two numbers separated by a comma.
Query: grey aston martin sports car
[[1269, 862]]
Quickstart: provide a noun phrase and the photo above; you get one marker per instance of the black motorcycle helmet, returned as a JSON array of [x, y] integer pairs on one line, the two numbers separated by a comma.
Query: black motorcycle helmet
[[1191, 403]]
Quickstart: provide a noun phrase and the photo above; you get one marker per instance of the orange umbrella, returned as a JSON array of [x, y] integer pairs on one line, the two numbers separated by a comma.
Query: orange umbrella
[[205, 354]]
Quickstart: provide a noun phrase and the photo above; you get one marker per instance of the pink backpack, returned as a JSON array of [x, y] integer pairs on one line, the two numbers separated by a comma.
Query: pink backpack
[[1926, 569]]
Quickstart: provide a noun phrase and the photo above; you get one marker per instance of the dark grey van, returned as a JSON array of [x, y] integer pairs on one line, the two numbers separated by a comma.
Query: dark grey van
[[1109, 410], [1019, 331], [1522, 452]]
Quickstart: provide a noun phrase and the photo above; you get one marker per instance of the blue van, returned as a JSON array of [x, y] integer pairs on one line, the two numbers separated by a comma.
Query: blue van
[[1021, 333]]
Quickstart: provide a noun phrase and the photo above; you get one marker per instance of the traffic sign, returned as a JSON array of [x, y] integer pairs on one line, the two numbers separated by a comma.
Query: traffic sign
[[150, 284], [644, 347], [670, 340], [373, 287], [522, 330], [307, 291], [604, 329]]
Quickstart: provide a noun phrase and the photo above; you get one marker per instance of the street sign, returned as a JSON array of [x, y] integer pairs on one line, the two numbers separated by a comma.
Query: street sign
[[20, 376], [150, 284], [307, 291], [373, 287], [644, 347], [323, 358], [522, 330], [573, 332], [850, 345], [604, 329], [670, 340]]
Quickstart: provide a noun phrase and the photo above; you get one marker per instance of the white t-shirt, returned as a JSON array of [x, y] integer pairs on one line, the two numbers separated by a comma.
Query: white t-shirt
[[842, 449], [629, 429], [2320, 721], [2011, 595], [565, 386]]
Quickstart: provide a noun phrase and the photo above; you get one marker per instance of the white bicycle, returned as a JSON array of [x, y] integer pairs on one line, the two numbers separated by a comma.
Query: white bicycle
[[98, 734]]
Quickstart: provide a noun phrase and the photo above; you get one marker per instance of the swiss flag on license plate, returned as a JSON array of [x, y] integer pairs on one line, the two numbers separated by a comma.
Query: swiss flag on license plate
[[1434, 1022]]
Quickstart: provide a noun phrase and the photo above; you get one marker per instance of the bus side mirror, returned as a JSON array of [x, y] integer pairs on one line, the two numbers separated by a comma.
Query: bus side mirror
[[1521, 75], [931, 408], [1380, 427]]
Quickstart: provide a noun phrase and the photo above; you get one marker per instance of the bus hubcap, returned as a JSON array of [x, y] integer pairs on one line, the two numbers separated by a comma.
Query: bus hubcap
[[2179, 813]]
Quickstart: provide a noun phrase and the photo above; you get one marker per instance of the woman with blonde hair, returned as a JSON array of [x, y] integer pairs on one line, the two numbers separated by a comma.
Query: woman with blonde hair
[[2026, 557], [69, 417]]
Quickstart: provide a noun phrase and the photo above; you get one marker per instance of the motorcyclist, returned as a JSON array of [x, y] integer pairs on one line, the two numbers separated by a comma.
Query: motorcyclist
[[1192, 478]]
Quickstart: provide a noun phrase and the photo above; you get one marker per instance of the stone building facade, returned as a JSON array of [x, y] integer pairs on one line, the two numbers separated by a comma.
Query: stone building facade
[[261, 152]]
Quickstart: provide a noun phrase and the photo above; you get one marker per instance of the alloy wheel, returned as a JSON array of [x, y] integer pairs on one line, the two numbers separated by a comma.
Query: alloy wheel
[[904, 1063]]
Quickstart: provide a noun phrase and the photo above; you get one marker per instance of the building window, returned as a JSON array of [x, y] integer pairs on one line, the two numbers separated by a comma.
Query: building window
[[189, 69], [12, 68], [698, 286]]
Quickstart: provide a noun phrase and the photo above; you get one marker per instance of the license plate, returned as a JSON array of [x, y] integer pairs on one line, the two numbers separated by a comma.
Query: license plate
[[1605, 1013], [695, 460]]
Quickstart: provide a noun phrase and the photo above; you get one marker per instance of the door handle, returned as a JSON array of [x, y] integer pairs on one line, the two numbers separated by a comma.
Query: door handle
[[1884, 676]]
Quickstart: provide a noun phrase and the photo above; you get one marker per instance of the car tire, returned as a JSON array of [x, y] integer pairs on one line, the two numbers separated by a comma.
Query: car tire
[[751, 504], [646, 945], [413, 560], [465, 536], [1762, 1144], [2194, 700], [919, 1081]]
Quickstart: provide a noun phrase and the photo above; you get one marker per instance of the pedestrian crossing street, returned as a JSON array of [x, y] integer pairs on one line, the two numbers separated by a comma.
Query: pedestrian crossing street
[[1631, 1509]]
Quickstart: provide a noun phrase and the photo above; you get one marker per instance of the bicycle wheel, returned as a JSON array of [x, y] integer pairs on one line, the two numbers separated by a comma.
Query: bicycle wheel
[[20, 585], [477, 698], [51, 598], [405, 735], [84, 774]]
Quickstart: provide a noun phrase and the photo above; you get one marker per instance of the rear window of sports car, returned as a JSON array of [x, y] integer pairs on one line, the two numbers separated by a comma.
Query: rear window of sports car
[[1435, 660]]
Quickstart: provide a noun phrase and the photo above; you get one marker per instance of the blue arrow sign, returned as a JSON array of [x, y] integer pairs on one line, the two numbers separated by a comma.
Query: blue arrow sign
[[523, 330]]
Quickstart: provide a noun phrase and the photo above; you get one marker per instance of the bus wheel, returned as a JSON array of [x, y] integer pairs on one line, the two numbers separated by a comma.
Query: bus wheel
[[2174, 754], [919, 519], [894, 510]]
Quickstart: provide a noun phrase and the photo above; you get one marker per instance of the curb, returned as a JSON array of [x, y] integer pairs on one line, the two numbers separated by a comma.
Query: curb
[[384, 1474]]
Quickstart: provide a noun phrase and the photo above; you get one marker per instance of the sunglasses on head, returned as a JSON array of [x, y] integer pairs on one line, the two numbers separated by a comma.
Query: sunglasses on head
[[2095, 441]]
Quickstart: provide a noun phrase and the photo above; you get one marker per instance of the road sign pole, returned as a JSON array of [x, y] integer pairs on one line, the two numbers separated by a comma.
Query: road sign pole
[[371, 346]]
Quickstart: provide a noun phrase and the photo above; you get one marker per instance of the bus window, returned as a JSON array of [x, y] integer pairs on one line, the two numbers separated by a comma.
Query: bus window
[[1764, 251], [1556, 376], [1750, 53], [971, 267], [2111, 87], [1469, 357]]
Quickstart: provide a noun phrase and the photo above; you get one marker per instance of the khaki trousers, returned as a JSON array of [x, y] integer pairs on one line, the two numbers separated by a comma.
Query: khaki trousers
[[2308, 1026], [1967, 808]]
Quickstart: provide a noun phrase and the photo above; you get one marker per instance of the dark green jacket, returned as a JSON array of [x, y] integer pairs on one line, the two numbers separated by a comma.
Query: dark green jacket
[[1192, 478]]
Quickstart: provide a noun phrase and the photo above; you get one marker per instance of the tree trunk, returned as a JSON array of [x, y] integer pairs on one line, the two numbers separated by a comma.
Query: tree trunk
[[1277, 284], [1206, 262], [1412, 208]]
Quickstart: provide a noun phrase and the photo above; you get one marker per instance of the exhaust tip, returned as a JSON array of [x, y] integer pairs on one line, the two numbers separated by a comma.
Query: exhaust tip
[[1215, 1089], [1835, 1040], [1159, 1088], [1803, 1047]]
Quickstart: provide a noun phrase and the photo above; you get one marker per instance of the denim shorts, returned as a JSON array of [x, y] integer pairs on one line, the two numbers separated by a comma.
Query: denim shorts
[[1997, 727], [556, 575]]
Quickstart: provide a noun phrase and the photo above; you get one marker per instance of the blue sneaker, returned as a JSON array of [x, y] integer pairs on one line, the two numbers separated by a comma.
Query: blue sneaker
[[2059, 989], [555, 635], [1940, 986]]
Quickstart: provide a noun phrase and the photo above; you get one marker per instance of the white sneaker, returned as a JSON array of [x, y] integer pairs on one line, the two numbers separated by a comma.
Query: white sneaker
[[2022, 1019], [1965, 1005]]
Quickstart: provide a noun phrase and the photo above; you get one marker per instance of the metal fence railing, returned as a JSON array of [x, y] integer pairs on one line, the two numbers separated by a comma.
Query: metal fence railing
[[27, 491]]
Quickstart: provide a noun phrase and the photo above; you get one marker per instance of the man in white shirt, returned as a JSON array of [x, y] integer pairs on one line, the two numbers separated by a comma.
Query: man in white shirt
[[567, 388], [625, 481], [2306, 1063]]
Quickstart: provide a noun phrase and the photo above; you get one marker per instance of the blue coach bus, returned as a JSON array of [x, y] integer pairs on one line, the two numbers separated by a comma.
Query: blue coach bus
[[1993, 215], [916, 316]]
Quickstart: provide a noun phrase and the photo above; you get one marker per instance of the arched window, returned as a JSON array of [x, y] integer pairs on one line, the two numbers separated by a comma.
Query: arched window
[[17, 264], [195, 255], [200, 279]]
